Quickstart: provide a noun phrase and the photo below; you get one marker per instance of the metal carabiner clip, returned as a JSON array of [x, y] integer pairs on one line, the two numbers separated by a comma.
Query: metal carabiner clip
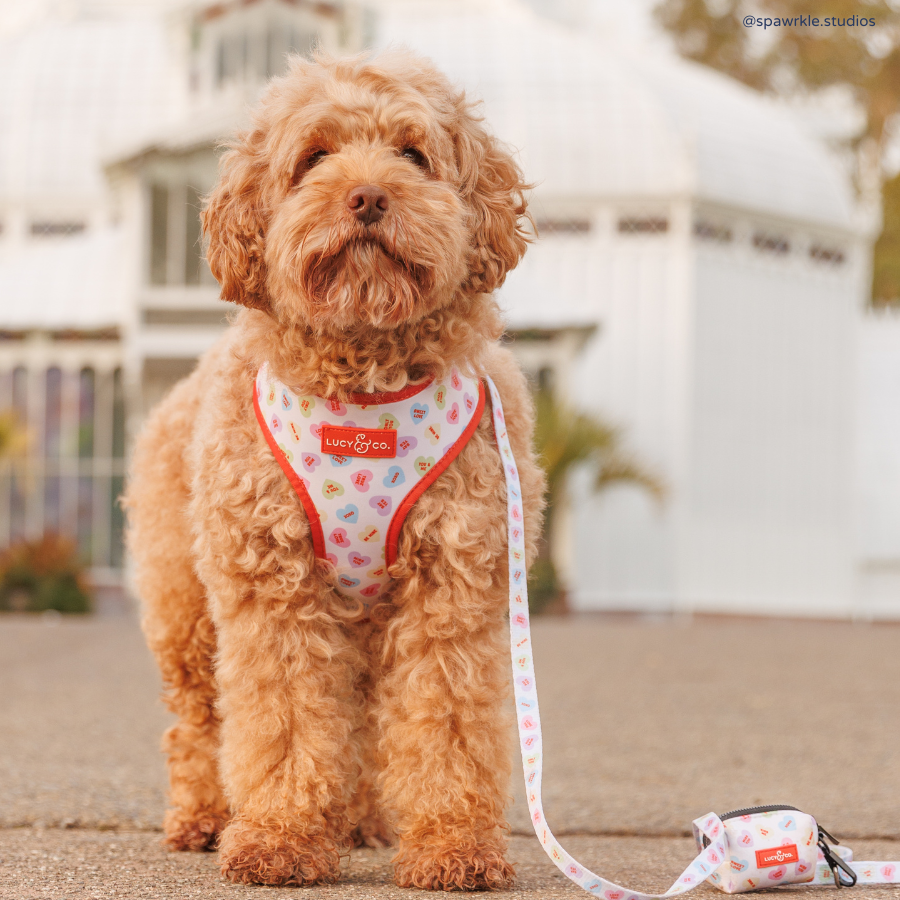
[[835, 863]]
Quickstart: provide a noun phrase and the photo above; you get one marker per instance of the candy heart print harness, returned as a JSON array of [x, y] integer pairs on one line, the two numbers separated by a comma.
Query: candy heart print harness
[[358, 469]]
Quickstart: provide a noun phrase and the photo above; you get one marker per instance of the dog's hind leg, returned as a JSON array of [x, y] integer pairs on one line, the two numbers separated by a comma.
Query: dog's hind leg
[[198, 810], [370, 827], [176, 623]]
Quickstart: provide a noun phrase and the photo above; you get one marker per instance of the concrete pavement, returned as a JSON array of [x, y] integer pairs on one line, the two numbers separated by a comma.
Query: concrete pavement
[[648, 723]]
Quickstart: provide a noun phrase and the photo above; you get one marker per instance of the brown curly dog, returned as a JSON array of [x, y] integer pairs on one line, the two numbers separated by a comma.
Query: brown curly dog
[[364, 220]]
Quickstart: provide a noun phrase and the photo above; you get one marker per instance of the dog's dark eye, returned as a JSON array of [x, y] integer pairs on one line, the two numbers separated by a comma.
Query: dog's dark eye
[[307, 162], [415, 157]]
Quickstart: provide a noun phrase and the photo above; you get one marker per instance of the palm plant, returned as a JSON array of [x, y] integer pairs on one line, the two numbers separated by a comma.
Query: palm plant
[[565, 438]]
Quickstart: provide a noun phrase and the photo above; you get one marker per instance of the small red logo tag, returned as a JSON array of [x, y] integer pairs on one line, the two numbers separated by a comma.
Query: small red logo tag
[[777, 856], [377, 443]]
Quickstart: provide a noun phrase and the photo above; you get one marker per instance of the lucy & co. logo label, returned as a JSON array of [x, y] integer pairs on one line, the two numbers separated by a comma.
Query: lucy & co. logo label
[[776, 856], [372, 443]]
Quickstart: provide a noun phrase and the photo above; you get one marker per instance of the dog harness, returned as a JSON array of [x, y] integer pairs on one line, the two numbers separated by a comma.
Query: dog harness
[[359, 467]]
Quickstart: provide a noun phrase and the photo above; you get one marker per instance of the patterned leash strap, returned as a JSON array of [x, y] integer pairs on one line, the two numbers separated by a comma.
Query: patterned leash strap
[[529, 722], [866, 872], [529, 717]]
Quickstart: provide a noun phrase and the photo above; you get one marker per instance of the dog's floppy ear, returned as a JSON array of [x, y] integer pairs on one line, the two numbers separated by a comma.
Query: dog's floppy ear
[[236, 228], [493, 187]]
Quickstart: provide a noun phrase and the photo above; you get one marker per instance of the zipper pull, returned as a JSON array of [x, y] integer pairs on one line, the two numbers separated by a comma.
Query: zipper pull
[[835, 863]]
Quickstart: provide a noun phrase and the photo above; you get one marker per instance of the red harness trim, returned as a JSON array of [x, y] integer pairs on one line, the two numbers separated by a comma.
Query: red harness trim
[[393, 535], [389, 396], [315, 525]]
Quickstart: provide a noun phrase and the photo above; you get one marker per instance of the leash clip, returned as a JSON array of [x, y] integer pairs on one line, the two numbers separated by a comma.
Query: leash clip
[[835, 863]]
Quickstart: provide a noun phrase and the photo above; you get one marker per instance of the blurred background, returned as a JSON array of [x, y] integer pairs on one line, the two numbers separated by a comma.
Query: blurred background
[[710, 316]]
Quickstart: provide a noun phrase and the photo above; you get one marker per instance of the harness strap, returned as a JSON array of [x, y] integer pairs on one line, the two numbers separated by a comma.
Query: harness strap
[[529, 722]]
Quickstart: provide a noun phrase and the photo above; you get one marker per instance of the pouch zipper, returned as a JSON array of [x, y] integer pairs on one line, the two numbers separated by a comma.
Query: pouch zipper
[[750, 810]]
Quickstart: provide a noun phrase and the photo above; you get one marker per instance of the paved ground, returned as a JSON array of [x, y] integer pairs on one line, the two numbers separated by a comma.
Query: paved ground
[[648, 723], [90, 865]]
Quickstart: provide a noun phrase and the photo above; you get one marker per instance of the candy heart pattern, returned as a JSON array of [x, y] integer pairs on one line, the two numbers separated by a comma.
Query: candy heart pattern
[[429, 415], [331, 489], [405, 444], [382, 505], [349, 513], [339, 537], [768, 849]]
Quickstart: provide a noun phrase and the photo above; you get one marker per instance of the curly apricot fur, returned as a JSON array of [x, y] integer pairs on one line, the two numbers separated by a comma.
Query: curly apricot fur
[[318, 726], [270, 854], [459, 868]]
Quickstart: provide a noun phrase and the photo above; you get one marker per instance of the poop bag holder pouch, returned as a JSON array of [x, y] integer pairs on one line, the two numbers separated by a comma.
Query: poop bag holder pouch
[[770, 845]]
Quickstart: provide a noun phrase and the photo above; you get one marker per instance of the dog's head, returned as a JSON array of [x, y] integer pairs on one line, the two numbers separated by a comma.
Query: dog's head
[[366, 193]]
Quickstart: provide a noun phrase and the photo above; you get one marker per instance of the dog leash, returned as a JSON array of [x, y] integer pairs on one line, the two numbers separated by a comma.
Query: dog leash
[[708, 827]]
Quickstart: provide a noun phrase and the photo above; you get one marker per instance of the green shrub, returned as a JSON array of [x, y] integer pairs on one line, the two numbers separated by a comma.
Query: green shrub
[[45, 574]]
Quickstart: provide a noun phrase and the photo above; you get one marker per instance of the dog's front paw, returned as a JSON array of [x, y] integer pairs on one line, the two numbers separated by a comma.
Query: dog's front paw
[[254, 854], [195, 831], [447, 867]]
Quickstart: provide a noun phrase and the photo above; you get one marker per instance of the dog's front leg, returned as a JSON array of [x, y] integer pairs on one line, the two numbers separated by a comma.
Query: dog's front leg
[[286, 680], [444, 748], [286, 669]]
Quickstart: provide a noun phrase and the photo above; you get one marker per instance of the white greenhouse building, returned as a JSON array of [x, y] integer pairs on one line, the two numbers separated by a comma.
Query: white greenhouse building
[[700, 281]]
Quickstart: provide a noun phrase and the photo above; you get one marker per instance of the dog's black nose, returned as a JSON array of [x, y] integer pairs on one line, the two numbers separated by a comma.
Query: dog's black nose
[[368, 203]]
